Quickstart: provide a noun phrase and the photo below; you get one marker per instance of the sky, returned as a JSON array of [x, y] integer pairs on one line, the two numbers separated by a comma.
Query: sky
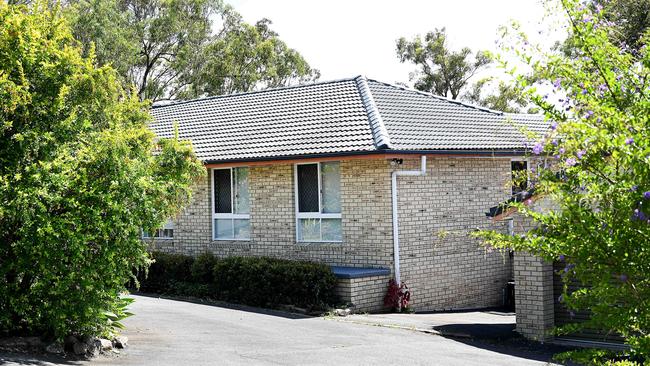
[[345, 38]]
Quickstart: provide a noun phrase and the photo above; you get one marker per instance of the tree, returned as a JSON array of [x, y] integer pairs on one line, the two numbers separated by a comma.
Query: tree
[[598, 177], [168, 48], [248, 57], [440, 70], [506, 97], [78, 180], [628, 21]]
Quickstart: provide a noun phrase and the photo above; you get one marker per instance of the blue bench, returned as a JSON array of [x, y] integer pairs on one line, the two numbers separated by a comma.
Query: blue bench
[[356, 272]]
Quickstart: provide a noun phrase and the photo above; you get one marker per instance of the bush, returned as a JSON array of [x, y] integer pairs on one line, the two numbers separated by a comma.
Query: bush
[[78, 180], [256, 281]]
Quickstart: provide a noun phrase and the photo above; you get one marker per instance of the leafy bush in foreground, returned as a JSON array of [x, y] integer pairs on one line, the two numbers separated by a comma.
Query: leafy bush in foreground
[[77, 181]]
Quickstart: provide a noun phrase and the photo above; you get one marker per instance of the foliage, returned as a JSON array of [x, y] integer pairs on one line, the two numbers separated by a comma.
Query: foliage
[[441, 71], [397, 297], [168, 48], [628, 21], [248, 57], [600, 176], [257, 281], [506, 98], [78, 179]]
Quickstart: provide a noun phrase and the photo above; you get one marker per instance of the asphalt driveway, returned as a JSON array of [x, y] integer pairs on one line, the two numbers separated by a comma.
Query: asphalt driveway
[[167, 332]]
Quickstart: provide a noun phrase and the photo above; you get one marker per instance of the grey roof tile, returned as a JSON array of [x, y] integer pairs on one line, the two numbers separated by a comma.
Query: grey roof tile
[[345, 116]]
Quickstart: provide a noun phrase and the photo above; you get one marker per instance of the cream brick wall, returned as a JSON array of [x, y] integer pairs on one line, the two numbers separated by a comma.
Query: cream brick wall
[[534, 297], [366, 219], [443, 266], [365, 294]]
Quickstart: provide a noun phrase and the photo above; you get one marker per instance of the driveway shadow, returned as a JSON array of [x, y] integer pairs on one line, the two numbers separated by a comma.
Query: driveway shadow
[[9, 358], [501, 338], [227, 305]]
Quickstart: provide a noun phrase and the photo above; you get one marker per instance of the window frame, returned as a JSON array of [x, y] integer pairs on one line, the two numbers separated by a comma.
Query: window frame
[[314, 215], [224, 216], [527, 161], [169, 225]]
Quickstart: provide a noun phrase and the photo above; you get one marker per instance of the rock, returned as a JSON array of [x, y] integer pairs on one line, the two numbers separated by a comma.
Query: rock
[[80, 348], [106, 345], [56, 348], [342, 312], [94, 347], [120, 342], [70, 340]]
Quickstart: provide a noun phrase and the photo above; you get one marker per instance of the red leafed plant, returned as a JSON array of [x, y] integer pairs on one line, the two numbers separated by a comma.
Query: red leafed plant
[[397, 297]]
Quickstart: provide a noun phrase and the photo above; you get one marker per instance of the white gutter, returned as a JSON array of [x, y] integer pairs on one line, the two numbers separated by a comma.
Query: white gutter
[[422, 172]]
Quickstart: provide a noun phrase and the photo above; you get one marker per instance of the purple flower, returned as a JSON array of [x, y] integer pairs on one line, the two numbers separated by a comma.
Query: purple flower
[[646, 195], [562, 150], [623, 277], [580, 154], [561, 257], [629, 141], [634, 188], [554, 126], [537, 149], [557, 83], [639, 215], [570, 162], [554, 142], [584, 91], [589, 114]]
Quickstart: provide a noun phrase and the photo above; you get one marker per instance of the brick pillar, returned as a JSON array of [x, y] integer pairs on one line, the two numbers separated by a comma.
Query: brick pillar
[[533, 297]]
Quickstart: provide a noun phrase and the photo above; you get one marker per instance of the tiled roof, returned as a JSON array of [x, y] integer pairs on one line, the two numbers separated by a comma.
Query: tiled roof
[[346, 116]]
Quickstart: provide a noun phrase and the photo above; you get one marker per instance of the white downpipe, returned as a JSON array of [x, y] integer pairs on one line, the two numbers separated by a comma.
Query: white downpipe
[[421, 172]]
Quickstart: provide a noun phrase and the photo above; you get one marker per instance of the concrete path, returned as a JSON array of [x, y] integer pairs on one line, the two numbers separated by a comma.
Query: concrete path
[[166, 332]]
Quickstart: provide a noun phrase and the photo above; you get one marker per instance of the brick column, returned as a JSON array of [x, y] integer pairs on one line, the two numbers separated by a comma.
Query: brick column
[[534, 297]]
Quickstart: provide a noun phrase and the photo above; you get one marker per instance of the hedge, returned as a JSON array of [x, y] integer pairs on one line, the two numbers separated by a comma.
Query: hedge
[[256, 281]]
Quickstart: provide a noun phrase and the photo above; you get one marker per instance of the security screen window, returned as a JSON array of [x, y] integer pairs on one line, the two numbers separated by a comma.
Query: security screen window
[[231, 205], [318, 195], [165, 232], [519, 171]]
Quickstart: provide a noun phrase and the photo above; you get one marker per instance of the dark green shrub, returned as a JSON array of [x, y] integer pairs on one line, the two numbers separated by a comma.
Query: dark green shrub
[[203, 268], [256, 281], [165, 272], [261, 281]]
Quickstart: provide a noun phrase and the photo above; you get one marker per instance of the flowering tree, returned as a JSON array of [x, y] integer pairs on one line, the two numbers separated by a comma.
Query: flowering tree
[[600, 181]]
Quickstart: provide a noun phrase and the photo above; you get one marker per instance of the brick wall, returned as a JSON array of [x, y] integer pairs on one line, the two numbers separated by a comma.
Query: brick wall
[[365, 294], [534, 296], [366, 219], [444, 267]]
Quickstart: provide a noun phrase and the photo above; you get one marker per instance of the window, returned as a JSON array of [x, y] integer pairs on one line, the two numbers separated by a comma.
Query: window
[[166, 232], [230, 205], [318, 197], [519, 170]]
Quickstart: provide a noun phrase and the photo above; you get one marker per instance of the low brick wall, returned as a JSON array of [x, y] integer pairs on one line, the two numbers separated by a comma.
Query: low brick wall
[[366, 293]]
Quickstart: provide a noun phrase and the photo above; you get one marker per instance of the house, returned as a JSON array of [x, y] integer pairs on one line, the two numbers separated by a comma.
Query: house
[[376, 180]]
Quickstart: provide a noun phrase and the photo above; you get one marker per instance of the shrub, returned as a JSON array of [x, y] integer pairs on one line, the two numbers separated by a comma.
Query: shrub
[[262, 281], [78, 180], [165, 271], [256, 281]]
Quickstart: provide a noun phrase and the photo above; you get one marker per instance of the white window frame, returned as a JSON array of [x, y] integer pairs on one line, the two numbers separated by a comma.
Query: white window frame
[[169, 225], [527, 161], [232, 216], [313, 215]]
